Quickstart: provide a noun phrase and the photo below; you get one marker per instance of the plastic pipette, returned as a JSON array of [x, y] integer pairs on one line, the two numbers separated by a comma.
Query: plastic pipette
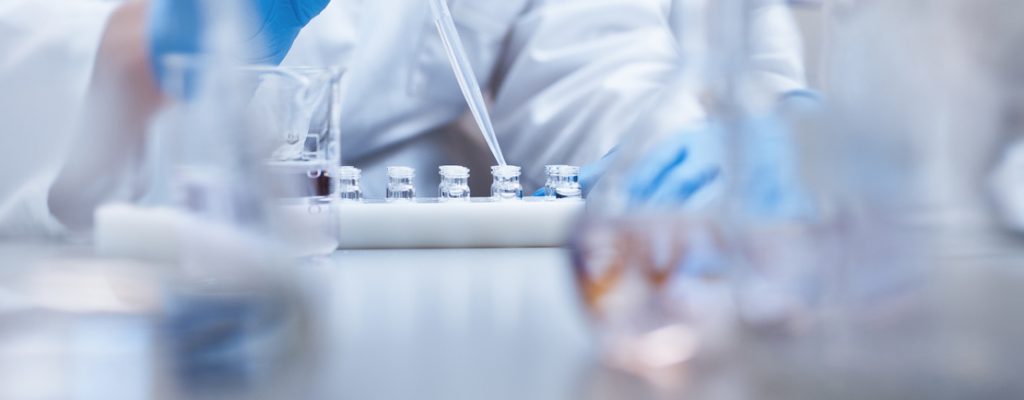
[[464, 74]]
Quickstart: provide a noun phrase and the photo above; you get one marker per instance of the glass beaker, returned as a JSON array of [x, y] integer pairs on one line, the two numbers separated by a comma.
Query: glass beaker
[[260, 139], [295, 118]]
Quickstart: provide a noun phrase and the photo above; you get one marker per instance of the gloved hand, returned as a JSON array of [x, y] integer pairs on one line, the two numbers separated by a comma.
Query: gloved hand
[[676, 170], [687, 170], [177, 27], [679, 169]]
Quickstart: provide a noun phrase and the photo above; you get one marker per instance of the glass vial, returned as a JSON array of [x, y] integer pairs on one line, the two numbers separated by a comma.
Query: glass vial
[[506, 184], [400, 186], [563, 182], [454, 183], [348, 184]]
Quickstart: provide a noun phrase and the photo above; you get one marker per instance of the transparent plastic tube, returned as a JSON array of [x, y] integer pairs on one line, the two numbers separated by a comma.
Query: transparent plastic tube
[[464, 73]]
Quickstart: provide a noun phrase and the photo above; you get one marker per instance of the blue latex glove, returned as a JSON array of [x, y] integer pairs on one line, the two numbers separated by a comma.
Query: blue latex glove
[[689, 167], [177, 27], [679, 168], [589, 174], [682, 167]]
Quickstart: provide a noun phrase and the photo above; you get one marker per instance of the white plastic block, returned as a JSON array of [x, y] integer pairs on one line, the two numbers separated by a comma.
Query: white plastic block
[[480, 223]]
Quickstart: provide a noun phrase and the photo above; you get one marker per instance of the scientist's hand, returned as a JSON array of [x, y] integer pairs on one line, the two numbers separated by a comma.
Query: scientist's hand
[[177, 26], [688, 170], [679, 169]]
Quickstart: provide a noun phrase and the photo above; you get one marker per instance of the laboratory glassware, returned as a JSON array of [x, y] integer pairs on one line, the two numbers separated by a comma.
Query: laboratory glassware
[[661, 277], [293, 115], [230, 328], [901, 282], [563, 182], [506, 185], [296, 111], [400, 184], [240, 173], [454, 183], [651, 276], [348, 184]]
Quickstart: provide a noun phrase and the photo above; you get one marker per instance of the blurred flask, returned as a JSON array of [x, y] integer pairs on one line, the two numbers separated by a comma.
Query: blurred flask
[[269, 147], [296, 112], [225, 314], [914, 306], [80, 327], [651, 274], [247, 149], [674, 280], [891, 279]]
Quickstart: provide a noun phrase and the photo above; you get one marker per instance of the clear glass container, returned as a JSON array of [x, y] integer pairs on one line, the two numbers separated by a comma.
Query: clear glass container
[[348, 184], [506, 184], [400, 184], [454, 183], [292, 122], [297, 110], [667, 278], [251, 146], [563, 182]]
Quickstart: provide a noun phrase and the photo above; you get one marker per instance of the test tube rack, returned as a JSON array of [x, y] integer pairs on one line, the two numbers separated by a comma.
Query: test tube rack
[[507, 219], [314, 222], [478, 223]]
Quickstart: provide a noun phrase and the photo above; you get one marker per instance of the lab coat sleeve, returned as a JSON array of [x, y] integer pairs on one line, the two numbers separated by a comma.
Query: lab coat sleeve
[[579, 73], [576, 75], [47, 53], [777, 60], [26, 215]]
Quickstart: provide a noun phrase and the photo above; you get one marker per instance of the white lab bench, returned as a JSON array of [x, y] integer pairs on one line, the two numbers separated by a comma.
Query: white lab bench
[[398, 324], [455, 324], [507, 324]]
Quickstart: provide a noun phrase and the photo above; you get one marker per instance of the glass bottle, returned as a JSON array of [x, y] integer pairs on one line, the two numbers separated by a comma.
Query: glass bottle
[[454, 183], [506, 184], [348, 184], [563, 182], [400, 185]]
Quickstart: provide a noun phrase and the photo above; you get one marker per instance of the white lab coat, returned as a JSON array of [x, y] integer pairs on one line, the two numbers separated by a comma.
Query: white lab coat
[[568, 77], [47, 49]]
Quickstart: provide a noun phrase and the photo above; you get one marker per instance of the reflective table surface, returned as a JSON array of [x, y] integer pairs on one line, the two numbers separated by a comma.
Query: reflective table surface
[[445, 324]]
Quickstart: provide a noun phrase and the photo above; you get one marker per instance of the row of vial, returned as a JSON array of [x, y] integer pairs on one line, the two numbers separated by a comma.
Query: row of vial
[[563, 182]]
